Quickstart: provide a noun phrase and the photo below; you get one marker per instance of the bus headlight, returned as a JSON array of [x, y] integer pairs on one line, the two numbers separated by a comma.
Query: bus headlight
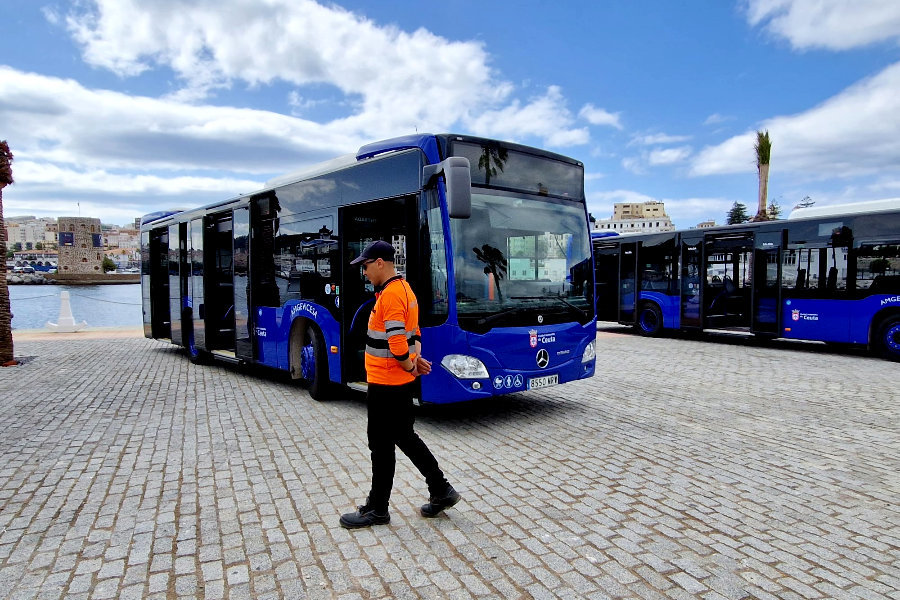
[[590, 352], [464, 367]]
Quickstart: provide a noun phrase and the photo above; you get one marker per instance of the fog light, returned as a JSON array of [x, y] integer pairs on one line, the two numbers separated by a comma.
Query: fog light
[[476, 385]]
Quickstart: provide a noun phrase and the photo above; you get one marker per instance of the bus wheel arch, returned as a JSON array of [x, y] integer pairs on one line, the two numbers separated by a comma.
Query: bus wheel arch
[[884, 335], [649, 319], [308, 359]]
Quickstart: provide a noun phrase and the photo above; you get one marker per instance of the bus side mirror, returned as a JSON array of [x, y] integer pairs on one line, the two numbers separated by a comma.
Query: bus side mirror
[[458, 181]]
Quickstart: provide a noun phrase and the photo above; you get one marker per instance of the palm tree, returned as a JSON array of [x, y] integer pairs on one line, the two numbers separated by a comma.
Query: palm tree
[[495, 264], [6, 341], [493, 157], [763, 149]]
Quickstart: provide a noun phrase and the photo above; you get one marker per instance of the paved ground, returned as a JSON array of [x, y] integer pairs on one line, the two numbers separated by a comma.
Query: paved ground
[[682, 470]]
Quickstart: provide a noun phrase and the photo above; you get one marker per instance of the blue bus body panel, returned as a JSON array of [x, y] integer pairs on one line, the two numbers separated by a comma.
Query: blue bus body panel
[[820, 320], [509, 355], [845, 321], [266, 330], [427, 143]]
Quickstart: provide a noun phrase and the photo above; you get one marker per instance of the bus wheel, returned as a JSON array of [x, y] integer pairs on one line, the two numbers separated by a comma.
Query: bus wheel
[[649, 321], [314, 365], [889, 338]]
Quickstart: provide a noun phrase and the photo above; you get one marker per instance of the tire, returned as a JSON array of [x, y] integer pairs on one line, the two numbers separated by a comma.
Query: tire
[[314, 365], [649, 320], [889, 338]]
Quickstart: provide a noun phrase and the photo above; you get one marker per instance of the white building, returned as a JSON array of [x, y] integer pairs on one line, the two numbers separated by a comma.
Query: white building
[[30, 231], [636, 217]]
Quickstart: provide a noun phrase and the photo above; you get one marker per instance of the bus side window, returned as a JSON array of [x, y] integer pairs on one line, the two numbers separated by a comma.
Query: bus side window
[[878, 268]]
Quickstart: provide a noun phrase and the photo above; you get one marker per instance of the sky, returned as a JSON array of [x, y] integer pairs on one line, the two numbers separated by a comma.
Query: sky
[[118, 108]]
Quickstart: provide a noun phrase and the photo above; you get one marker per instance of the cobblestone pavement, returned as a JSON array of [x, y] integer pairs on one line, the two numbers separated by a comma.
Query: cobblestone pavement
[[683, 469]]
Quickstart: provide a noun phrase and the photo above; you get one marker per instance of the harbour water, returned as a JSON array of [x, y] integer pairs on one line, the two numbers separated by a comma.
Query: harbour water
[[99, 305]]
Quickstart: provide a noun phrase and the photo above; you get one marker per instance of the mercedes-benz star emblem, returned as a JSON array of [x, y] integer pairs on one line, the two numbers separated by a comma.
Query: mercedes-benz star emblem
[[543, 358]]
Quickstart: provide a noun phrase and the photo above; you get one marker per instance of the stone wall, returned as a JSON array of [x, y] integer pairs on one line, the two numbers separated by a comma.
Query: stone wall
[[80, 245]]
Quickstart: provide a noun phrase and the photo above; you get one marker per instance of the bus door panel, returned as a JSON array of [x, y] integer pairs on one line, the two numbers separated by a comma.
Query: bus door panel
[[156, 306], [195, 315], [766, 282], [627, 282], [606, 261], [219, 278], [389, 220], [177, 281], [266, 309], [691, 287], [726, 280], [241, 278]]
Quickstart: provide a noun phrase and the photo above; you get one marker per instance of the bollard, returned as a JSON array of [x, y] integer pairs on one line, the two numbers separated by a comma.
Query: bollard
[[66, 322]]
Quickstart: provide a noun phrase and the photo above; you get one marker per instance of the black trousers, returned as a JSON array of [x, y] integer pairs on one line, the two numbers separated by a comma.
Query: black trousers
[[391, 420]]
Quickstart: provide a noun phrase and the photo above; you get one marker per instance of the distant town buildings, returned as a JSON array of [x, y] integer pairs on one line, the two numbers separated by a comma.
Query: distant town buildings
[[35, 242], [636, 217]]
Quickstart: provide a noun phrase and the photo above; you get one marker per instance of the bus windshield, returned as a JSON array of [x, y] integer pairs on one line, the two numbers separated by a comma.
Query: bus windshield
[[518, 257]]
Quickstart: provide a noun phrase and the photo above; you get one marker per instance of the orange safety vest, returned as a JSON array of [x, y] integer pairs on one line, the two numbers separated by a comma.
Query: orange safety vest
[[393, 332]]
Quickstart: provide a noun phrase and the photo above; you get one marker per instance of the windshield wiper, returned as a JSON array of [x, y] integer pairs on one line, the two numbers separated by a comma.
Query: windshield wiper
[[558, 298], [502, 313]]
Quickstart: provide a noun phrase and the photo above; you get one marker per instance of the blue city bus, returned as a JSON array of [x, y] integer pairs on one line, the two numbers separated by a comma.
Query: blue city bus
[[826, 275], [493, 238]]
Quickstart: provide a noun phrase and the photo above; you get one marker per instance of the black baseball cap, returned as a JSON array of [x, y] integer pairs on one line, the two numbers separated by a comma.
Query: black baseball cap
[[375, 250]]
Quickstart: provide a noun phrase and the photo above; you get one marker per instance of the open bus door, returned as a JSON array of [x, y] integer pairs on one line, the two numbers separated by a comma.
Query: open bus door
[[193, 303], [606, 261], [628, 291], [156, 290], [767, 283], [243, 343], [726, 279], [691, 283], [177, 278], [389, 220], [219, 309]]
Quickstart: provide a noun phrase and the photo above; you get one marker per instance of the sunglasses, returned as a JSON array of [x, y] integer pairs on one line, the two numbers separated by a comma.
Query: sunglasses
[[366, 264]]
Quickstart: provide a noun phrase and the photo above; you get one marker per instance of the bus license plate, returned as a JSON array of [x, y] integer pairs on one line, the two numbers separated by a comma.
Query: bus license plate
[[541, 382]]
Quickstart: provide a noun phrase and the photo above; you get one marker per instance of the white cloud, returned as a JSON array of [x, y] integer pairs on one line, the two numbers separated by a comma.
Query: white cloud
[[397, 81], [657, 157], [856, 132], [43, 176], [716, 119], [668, 156], [403, 79], [545, 116], [657, 139], [832, 24], [60, 121], [599, 116], [634, 164]]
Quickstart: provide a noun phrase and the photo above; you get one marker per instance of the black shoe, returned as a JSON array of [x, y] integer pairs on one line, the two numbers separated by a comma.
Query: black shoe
[[436, 505], [364, 517]]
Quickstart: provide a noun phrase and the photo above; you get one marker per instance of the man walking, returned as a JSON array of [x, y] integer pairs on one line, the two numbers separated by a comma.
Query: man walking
[[393, 361]]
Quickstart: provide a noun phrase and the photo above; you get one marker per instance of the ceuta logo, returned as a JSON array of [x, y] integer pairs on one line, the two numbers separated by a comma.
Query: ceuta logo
[[532, 337]]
